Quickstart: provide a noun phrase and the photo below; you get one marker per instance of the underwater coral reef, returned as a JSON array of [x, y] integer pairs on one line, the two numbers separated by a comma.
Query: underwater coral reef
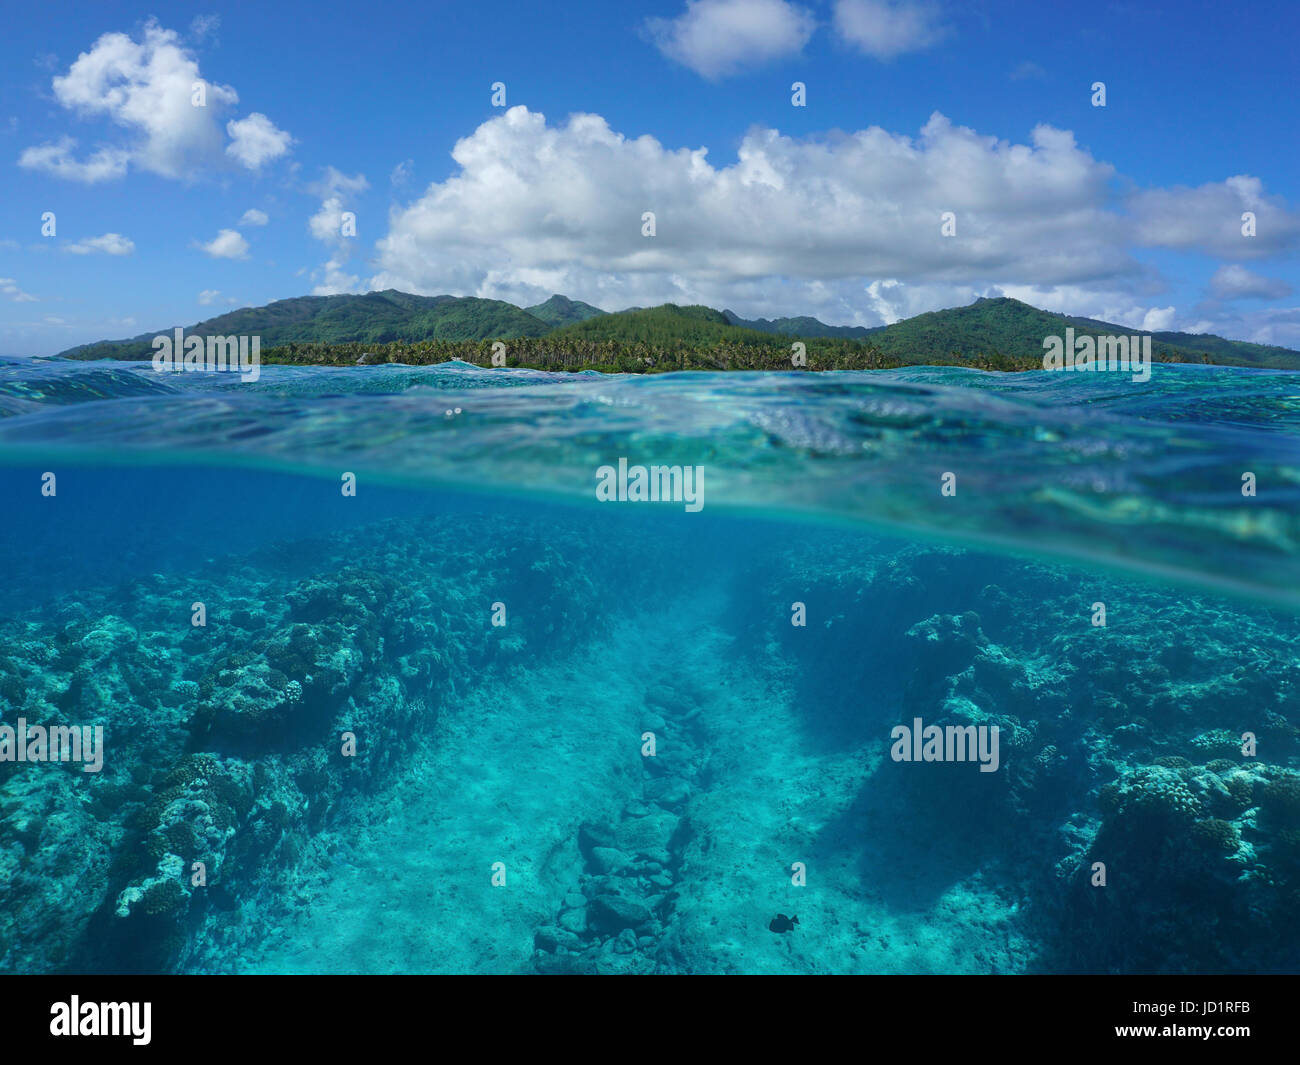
[[650, 760]]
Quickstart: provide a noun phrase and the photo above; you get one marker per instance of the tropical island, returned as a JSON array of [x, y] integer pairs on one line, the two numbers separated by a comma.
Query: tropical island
[[561, 334]]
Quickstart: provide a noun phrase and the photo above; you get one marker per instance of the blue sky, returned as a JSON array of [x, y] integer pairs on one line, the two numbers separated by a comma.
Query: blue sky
[[166, 213]]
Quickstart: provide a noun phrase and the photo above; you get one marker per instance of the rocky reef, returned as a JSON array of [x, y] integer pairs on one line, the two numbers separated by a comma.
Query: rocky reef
[[1129, 825], [1121, 744], [229, 745]]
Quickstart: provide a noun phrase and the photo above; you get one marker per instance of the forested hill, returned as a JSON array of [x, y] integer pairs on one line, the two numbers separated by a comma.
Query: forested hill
[[986, 329], [1009, 327], [375, 318]]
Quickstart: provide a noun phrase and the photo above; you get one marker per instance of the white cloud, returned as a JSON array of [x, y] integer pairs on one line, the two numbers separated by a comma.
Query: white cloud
[[1233, 282], [204, 26], [844, 227], [535, 209], [9, 287], [255, 140], [145, 88], [109, 244], [887, 28], [254, 217], [335, 279], [716, 38], [56, 158], [401, 172], [1158, 319], [228, 244], [208, 296], [334, 182], [327, 223], [1209, 219]]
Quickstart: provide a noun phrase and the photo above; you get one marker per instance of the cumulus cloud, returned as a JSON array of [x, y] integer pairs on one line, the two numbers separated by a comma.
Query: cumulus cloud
[[846, 227], [228, 244], [1158, 319], [109, 244], [1208, 218], [254, 217], [887, 28], [717, 38], [326, 225], [333, 188], [208, 296], [334, 279], [1234, 282], [145, 88], [534, 207], [255, 140]]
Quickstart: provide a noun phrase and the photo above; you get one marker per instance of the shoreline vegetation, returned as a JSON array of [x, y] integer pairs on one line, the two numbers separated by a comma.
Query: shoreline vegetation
[[569, 354]]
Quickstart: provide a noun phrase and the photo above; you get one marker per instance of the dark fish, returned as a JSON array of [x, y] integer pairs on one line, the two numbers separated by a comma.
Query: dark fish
[[782, 923]]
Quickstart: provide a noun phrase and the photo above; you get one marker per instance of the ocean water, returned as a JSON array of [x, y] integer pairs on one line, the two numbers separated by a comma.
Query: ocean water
[[448, 711]]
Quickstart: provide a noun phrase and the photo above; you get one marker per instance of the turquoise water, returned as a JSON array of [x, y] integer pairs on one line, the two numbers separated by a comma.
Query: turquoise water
[[502, 809]]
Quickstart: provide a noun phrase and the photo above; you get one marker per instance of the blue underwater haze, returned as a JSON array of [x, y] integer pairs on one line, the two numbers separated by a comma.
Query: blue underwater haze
[[647, 758]]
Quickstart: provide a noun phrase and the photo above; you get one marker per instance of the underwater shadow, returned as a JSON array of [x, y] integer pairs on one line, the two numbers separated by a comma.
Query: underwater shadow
[[919, 830]]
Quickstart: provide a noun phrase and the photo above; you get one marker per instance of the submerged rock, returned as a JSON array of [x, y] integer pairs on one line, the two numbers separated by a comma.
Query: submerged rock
[[614, 912]]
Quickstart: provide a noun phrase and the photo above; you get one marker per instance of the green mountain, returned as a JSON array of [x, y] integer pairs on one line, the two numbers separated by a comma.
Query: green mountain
[[1009, 327], [1231, 352], [990, 330], [374, 318], [802, 326], [560, 311]]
